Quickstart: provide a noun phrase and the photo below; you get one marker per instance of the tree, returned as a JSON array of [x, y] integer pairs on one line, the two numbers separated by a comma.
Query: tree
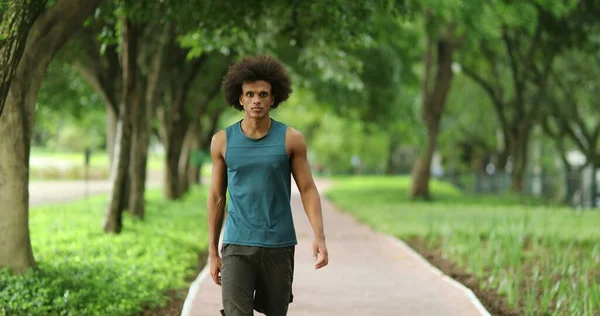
[[150, 75], [439, 54], [66, 103], [97, 55], [573, 108], [446, 25], [309, 36], [468, 134], [129, 103], [512, 62], [94, 53], [206, 111], [49, 32], [17, 18]]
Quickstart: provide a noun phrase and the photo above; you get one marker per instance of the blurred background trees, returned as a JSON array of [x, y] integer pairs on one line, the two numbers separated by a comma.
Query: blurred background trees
[[491, 96]]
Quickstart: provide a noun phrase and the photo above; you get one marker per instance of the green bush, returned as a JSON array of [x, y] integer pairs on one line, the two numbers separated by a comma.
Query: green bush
[[83, 271]]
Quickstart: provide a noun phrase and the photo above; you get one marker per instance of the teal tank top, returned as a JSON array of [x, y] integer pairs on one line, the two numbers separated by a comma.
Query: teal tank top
[[259, 185]]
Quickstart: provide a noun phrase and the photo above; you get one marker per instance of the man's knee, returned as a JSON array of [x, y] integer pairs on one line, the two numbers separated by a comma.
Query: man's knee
[[237, 281], [237, 301]]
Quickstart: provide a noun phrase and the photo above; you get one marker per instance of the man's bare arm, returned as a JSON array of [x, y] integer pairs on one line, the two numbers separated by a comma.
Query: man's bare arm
[[216, 202], [308, 192]]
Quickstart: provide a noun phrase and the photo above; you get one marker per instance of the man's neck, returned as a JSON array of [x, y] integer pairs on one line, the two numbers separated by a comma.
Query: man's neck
[[256, 128]]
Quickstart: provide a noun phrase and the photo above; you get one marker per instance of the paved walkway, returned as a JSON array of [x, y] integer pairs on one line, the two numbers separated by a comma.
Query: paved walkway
[[60, 191], [368, 274]]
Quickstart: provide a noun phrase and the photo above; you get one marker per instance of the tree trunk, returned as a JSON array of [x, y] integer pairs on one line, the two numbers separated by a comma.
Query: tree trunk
[[594, 185], [571, 183], [174, 146], [185, 162], [433, 105], [139, 157], [519, 152], [112, 121], [189, 171], [17, 19], [391, 164], [203, 140], [104, 74], [142, 130], [129, 103], [422, 169], [502, 160], [194, 176], [570, 173], [15, 246], [47, 35]]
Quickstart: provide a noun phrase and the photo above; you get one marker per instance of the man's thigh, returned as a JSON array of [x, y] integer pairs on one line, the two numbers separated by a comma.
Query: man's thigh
[[274, 290], [238, 279]]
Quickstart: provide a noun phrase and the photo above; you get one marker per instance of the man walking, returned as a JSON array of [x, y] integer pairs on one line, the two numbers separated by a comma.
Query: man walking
[[254, 160]]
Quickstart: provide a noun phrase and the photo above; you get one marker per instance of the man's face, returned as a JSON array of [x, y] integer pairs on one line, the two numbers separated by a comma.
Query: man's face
[[256, 98]]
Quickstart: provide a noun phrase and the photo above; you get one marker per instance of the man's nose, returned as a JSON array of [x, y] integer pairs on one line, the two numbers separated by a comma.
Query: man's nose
[[256, 99]]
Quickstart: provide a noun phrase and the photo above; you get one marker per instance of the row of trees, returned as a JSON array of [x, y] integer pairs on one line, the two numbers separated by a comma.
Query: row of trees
[[157, 61], [157, 67]]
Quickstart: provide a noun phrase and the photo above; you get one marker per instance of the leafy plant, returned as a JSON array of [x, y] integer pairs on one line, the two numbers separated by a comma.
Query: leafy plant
[[83, 271]]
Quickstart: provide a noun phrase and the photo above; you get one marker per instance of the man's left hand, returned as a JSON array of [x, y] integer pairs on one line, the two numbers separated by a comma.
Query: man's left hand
[[320, 253]]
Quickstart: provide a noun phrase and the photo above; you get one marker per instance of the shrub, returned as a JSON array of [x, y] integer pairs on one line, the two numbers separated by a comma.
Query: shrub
[[83, 271]]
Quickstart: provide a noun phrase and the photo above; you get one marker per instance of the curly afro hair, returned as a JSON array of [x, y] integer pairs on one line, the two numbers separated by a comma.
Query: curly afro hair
[[251, 69]]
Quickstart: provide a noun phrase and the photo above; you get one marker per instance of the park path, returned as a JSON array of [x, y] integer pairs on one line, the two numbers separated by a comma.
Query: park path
[[60, 191], [368, 274]]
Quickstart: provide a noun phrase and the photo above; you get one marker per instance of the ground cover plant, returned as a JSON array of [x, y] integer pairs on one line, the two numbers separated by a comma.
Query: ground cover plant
[[83, 271]]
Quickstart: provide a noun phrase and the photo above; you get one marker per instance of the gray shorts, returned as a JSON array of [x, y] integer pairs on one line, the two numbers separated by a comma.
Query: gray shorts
[[256, 278]]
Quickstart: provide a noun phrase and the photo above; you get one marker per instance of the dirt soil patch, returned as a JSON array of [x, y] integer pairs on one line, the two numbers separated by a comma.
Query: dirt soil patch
[[492, 301], [176, 298]]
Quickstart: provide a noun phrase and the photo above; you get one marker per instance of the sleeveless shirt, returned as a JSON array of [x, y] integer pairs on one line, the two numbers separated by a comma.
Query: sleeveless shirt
[[259, 186]]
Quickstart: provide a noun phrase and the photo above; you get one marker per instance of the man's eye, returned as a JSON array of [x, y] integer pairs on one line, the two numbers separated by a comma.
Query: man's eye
[[249, 94], [263, 94]]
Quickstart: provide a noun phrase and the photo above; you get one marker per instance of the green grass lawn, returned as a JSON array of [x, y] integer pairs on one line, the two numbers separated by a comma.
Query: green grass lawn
[[97, 159], [86, 272], [544, 259], [99, 165]]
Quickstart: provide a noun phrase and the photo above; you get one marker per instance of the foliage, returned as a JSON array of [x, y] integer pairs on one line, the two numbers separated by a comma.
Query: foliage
[[314, 38], [543, 259], [572, 102], [69, 114], [510, 56], [469, 125], [328, 147], [83, 271]]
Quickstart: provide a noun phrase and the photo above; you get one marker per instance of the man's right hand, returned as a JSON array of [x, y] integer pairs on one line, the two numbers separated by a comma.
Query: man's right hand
[[215, 269]]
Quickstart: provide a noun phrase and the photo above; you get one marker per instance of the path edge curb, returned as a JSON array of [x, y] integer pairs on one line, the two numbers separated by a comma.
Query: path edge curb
[[193, 291], [472, 297]]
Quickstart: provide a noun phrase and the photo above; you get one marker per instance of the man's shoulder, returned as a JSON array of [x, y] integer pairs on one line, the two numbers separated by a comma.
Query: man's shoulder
[[294, 139], [219, 138], [293, 133]]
